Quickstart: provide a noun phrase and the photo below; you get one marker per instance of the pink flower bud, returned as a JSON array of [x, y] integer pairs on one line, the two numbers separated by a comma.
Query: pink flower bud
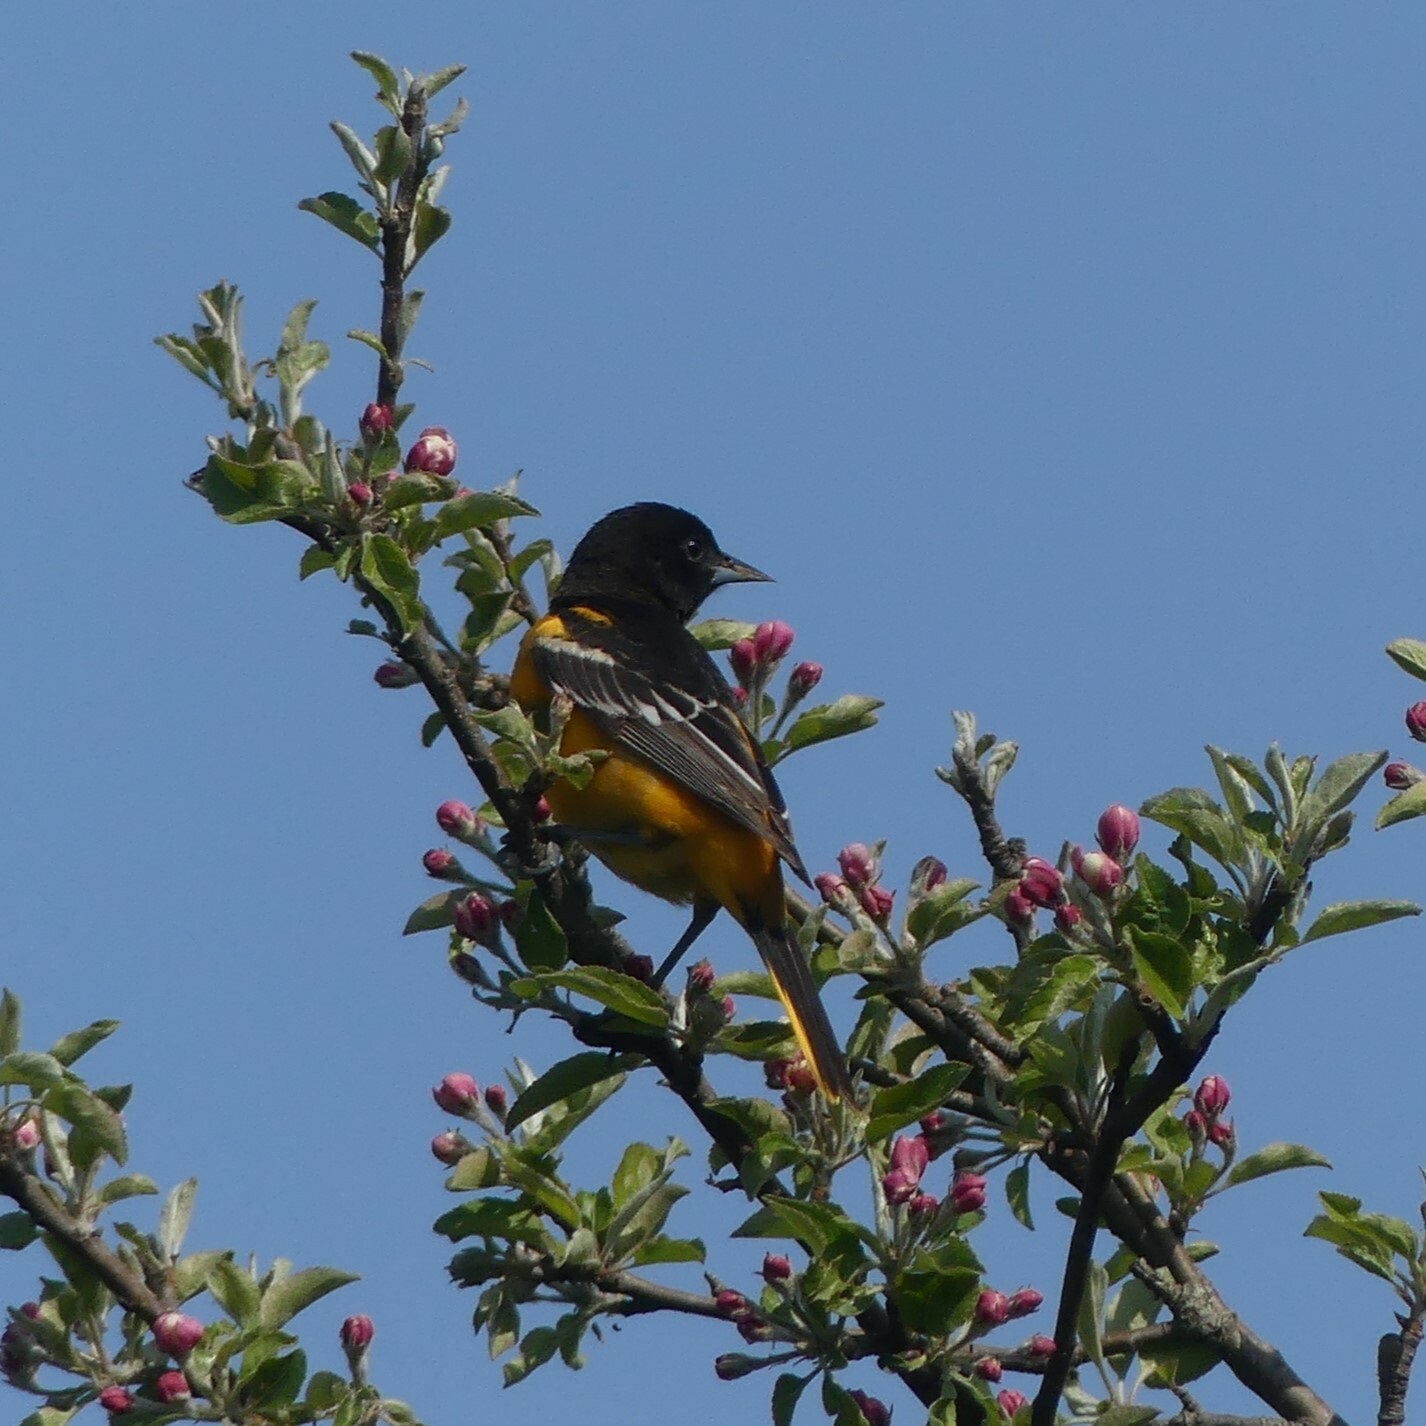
[[360, 493], [876, 901], [1212, 1097], [910, 1154], [1400, 776], [899, 1186], [497, 1100], [1100, 872], [924, 1205], [927, 875], [989, 1369], [1118, 831], [1042, 1346], [176, 1333], [858, 864], [803, 679], [115, 1400], [1416, 721], [1221, 1133], [992, 1308], [733, 1365], [1196, 1125], [1011, 1401], [776, 1268], [434, 452], [1040, 883], [356, 1333], [456, 819], [968, 1192], [542, 809], [800, 1079], [775, 1073], [730, 1303], [1067, 918], [771, 641], [440, 863], [31, 1310], [510, 915], [701, 977], [744, 660], [831, 887], [395, 674], [874, 1412], [729, 1007], [376, 419], [27, 1133], [172, 1386], [475, 918], [1025, 1301], [1018, 910], [457, 1094], [752, 1328], [450, 1148]]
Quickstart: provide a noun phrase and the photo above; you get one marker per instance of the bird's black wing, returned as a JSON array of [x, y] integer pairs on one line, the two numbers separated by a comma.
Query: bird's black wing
[[658, 694]]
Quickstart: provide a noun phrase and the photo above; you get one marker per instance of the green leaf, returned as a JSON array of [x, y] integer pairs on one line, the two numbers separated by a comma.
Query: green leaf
[[235, 1291], [621, 993], [1177, 1366], [567, 1078], [79, 1042], [1354, 915], [277, 1383], [434, 912], [479, 507], [1403, 807], [17, 1230], [1409, 654], [786, 1393], [247, 494], [393, 152], [903, 1104], [384, 75], [718, 634], [506, 1218], [477, 1169], [1017, 1192], [757, 1040], [849, 714], [388, 570], [324, 1391], [670, 1250], [429, 226], [132, 1185], [1193, 812], [289, 1295], [1165, 967], [942, 912], [10, 1020], [1338, 786], [314, 560], [89, 1115], [175, 1216], [434, 83], [1274, 1159], [1127, 1415], [27, 1067], [347, 216], [541, 942]]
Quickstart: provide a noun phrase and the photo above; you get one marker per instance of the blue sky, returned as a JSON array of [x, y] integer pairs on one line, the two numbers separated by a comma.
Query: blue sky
[[1064, 364]]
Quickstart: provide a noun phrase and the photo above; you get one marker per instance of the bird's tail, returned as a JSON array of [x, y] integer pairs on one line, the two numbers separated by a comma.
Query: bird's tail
[[792, 979]]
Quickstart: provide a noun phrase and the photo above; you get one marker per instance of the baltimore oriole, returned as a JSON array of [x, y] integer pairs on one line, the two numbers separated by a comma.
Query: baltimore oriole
[[684, 804]]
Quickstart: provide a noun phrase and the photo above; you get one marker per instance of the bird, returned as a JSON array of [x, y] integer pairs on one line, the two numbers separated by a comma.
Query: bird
[[682, 803]]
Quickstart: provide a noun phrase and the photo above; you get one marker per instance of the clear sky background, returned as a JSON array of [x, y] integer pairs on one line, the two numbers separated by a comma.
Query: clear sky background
[[1063, 363]]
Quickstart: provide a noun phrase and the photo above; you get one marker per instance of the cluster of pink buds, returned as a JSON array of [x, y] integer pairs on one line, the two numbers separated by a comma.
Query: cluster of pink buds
[[434, 453], [861, 875], [754, 659], [1041, 887], [794, 1076], [478, 919], [909, 1158], [992, 1308], [744, 1316], [1205, 1120]]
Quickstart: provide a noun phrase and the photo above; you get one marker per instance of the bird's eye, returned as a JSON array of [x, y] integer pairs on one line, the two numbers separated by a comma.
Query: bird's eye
[[693, 547]]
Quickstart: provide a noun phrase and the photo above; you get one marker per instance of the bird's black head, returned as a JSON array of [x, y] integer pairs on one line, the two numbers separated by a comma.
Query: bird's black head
[[655, 554]]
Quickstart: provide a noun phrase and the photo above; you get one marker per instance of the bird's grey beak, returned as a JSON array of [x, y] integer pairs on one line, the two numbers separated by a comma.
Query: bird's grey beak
[[727, 570]]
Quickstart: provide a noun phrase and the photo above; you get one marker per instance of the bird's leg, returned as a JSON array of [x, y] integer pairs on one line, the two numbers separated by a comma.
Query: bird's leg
[[703, 915]]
